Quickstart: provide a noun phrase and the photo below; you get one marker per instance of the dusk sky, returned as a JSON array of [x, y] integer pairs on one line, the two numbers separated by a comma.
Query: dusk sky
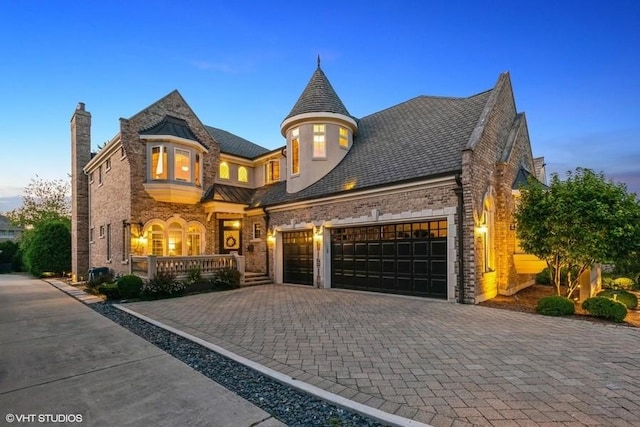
[[575, 69]]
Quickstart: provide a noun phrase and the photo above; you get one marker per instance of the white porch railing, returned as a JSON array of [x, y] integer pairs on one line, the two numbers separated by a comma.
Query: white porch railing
[[148, 266]]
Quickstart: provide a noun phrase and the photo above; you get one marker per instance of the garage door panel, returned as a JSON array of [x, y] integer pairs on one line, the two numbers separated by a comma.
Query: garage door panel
[[402, 258], [297, 256]]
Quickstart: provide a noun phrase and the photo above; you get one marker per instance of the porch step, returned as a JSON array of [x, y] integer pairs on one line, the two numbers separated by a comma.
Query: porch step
[[254, 279]]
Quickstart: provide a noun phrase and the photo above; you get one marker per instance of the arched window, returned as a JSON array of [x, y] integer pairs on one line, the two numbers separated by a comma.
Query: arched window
[[243, 175], [157, 240], [295, 151], [224, 170], [194, 240], [175, 239]]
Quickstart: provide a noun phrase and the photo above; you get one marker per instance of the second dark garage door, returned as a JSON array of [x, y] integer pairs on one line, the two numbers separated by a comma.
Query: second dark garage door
[[409, 259]]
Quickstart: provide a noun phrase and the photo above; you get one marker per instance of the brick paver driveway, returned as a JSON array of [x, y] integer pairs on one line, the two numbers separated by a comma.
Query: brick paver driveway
[[436, 362]]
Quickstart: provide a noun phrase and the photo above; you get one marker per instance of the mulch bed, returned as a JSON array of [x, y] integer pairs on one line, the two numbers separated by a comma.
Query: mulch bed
[[526, 300]]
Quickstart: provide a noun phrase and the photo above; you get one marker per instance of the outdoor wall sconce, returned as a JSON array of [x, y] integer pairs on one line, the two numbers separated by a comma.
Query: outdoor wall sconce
[[482, 228]]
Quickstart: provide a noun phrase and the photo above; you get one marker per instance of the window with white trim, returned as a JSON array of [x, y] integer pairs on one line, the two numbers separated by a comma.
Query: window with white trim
[[159, 160], [319, 143], [243, 174], [182, 165], [273, 171], [256, 231], [295, 151], [224, 170], [343, 137]]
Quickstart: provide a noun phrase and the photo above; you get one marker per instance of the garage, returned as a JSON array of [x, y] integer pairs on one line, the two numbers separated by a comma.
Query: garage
[[297, 257], [408, 258]]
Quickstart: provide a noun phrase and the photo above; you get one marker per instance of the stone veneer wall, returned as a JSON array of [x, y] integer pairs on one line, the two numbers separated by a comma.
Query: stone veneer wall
[[80, 156], [404, 206], [123, 196]]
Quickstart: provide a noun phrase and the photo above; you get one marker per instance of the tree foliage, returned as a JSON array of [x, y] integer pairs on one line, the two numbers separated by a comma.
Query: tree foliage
[[42, 200], [575, 223], [47, 248]]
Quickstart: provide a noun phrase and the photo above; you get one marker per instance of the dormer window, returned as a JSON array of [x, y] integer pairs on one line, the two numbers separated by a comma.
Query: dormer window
[[319, 143], [224, 170]]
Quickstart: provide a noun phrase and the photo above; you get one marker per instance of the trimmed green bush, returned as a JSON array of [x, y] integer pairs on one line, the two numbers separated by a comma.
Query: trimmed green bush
[[162, 285], [130, 286], [555, 306], [627, 298], [623, 283], [605, 308], [110, 290]]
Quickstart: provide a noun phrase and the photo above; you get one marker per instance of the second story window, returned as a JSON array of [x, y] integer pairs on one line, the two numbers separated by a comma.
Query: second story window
[[198, 172], [343, 138], [159, 162], [319, 145], [182, 165], [243, 174], [273, 171], [224, 170], [295, 151]]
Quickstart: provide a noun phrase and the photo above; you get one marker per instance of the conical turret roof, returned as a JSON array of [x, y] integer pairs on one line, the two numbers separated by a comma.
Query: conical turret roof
[[318, 97]]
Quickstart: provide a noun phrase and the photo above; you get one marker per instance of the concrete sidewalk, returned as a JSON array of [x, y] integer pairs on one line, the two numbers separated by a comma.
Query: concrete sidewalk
[[61, 358]]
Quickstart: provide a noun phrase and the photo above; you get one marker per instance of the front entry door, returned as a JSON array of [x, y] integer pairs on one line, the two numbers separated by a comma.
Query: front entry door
[[230, 236]]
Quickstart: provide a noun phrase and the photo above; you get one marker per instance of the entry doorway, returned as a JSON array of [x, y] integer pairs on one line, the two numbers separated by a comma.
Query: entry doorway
[[230, 236]]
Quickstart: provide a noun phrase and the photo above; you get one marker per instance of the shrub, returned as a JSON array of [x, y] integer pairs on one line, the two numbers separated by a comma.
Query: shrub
[[104, 277], [627, 298], [10, 256], [110, 290], [130, 286], [194, 275], [227, 277], [163, 284], [605, 308], [544, 277], [607, 282], [623, 283], [555, 306], [49, 248]]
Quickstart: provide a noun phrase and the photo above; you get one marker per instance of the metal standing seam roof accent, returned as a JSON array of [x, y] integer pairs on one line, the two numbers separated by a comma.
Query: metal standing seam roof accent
[[318, 97], [419, 138], [173, 126], [229, 193], [235, 145]]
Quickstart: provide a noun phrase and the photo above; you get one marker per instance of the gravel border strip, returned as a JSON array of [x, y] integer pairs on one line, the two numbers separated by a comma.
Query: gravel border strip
[[287, 404]]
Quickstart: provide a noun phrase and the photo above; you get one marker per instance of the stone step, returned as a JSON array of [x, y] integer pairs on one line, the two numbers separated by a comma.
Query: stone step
[[252, 279]]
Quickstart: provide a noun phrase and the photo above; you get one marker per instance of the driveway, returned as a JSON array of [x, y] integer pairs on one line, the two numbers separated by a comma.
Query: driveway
[[435, 362]]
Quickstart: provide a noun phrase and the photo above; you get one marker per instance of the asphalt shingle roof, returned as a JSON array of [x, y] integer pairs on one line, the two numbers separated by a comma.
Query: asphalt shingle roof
[[318, 97], [419, 138], [233, 144]]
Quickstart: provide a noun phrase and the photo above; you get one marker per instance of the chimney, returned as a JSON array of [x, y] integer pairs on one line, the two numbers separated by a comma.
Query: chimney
[[80, 156]]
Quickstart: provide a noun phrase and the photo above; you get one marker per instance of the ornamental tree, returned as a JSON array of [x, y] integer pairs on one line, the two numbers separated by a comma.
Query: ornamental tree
[[42, 200], [576, 223]]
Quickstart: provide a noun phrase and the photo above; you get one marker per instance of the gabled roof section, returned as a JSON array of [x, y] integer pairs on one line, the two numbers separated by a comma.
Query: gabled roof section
[[521, 178], [228, 193], [513, 136], [235, 145], [318, 97], [173, 126], [418, 139]]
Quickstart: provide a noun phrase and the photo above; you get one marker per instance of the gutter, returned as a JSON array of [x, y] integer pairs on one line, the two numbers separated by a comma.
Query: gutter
[[459, 192]]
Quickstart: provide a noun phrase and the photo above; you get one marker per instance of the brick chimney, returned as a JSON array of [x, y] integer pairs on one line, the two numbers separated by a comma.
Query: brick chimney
[[80, 156]]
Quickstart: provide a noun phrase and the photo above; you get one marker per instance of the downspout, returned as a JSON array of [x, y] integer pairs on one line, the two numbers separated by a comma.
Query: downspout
[[459, 192]]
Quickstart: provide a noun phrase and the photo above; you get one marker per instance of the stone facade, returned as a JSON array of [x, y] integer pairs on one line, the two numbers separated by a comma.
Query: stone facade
[[80, 156]]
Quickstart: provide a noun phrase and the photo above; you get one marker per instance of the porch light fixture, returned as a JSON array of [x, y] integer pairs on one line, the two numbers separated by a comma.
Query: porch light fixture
[[482, 228]]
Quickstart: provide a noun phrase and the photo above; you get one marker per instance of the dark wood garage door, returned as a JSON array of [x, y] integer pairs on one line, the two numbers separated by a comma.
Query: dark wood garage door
[[409, 259], [297, 257]]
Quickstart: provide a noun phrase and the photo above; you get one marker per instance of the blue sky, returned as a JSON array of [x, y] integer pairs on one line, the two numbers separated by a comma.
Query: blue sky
[[575, 68]]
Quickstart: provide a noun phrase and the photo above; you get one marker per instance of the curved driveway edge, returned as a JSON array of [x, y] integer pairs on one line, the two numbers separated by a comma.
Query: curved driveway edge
[[430, 361]]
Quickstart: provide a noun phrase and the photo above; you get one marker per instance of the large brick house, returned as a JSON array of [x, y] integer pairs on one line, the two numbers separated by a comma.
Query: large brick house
[[415, 199]]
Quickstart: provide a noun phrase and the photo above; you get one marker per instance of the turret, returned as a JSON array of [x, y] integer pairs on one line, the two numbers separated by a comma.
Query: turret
[[319, 132]]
